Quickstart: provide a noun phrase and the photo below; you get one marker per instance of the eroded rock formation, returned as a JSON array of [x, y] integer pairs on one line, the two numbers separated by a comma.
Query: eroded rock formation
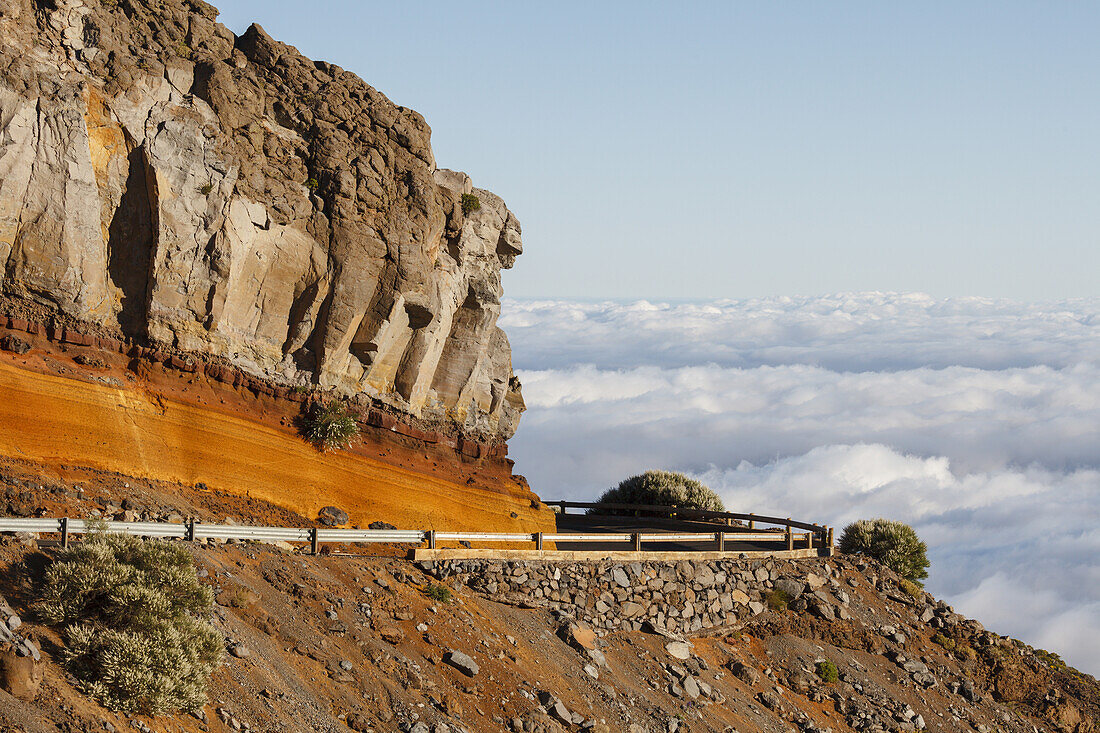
[[225, 196]]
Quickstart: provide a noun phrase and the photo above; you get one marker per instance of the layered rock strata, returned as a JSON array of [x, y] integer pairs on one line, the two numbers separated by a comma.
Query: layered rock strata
[[197, 192]]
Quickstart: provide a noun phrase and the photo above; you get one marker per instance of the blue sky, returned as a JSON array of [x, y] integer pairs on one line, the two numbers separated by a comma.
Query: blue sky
[[681, 150]]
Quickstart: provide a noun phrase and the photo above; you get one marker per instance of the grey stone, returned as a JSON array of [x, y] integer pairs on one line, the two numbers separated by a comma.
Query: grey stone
[[678, 649], [462, 662]]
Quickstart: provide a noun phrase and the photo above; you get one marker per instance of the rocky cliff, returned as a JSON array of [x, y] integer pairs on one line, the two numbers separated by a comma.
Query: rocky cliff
[[177, 186]]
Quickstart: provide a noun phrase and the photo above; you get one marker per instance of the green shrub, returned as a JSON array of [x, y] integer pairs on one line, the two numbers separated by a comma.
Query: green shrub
[[911, 589], [206, 188], [663, 488], [438, 593], [778, 600], [470, 203], [131, 615], [945, 641], [894, 544], [827, 671], [312, 184], [330, 426]]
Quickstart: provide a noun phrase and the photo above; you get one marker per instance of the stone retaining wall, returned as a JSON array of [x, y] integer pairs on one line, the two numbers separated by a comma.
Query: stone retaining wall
[[680, 597]]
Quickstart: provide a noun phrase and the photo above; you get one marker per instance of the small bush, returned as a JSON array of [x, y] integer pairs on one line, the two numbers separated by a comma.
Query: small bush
[[131, 614], [945, 641], [827, 671], [778, 600], [894, 544], [470, 203], [206, 188], [911, 589], [312, 184], [663, 488], [438, 593], [330, 426]]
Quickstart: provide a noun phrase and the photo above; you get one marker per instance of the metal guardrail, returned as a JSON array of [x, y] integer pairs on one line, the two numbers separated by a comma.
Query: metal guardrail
[[194, 531]]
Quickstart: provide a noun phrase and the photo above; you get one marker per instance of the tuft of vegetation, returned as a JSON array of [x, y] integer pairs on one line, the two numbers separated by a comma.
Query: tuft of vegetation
[[206, 188], [131, 615], [778, 600], [894, 544], [827, 671], [184, 51], [663, 488], [470, 203], [438, 593], [312, 184], [945, 641], [330, 426], [911, 589]]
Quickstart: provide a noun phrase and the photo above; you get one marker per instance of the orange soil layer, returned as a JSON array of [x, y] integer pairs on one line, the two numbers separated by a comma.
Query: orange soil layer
[[61, 421]]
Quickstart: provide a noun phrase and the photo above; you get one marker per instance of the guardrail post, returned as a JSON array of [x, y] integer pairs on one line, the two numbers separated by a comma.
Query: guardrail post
[[538, 540], [561, 505], [790, 538], [752, 522], [190, 535], [64, 532], [314, 545], [431, 539], [721, 536], [636, 538], [809, 540]]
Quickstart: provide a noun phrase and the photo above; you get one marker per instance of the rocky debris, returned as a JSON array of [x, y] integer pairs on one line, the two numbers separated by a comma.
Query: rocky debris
[[14, 344], [331, 516], [380, 525], [463, 662], [20, 659], [298, 227]]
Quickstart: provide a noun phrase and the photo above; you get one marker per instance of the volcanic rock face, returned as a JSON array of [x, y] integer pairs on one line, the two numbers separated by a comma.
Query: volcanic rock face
[[224, 195]]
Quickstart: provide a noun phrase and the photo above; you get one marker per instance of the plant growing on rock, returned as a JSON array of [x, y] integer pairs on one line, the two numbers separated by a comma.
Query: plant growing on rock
[[894, 544], [131, 614], [470, 203], [330, 426], [778, 600], [663, 488]]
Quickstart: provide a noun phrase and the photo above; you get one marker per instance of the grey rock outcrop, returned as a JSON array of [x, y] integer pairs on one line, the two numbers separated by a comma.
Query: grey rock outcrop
[[173, 183]]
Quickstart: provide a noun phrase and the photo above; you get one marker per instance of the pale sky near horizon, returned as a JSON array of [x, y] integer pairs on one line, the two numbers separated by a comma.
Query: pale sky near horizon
[[721, 149]]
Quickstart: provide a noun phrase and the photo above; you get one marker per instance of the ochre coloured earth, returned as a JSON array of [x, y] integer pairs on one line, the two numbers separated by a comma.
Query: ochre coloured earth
[[135, 431]]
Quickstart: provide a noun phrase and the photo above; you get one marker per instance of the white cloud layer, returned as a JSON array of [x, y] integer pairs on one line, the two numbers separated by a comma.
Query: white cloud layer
[[977, 421]]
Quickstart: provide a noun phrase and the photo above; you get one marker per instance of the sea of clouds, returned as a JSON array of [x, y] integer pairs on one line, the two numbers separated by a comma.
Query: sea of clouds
[[975, 420]]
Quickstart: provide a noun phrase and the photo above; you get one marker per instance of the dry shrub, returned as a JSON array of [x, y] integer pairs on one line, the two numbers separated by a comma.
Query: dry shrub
[[131, 613]]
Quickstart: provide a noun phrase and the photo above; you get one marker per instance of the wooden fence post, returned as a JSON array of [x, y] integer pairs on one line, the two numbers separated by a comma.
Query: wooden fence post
[[809, 540], [65, 532], [538, 540], [790, 538], [752, 522], [721, 541], [314, 545], [637, 539]]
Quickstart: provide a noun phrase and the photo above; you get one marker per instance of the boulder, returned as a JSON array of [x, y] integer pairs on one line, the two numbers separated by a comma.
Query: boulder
[[20, 676], [14, 344], [331, 516], [464, 663]]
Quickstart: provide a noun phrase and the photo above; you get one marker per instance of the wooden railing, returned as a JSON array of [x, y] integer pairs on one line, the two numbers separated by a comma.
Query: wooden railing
[[823, 533]]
